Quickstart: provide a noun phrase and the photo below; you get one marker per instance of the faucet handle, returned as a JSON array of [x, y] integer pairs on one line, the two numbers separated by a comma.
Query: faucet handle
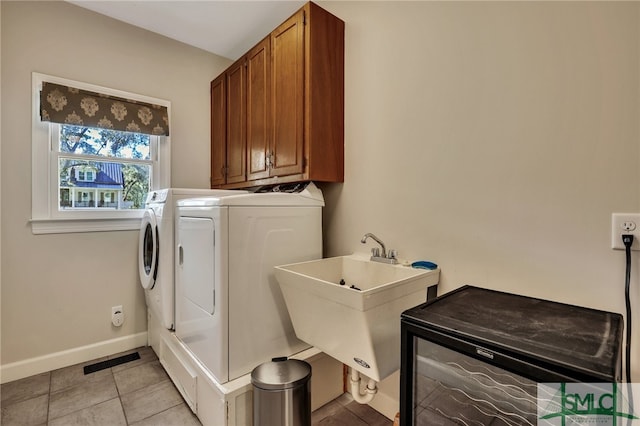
[[375, 252], [393, 254]]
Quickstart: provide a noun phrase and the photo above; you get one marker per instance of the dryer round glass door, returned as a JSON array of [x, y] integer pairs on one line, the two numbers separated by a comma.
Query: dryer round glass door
[[148, 250]]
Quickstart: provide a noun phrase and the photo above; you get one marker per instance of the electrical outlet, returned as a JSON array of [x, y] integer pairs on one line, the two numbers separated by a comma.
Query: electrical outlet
[[625, 223], [117, 315]]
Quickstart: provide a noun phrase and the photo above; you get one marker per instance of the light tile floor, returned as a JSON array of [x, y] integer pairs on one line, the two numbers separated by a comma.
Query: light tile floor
[[344, 411], [136, 393]]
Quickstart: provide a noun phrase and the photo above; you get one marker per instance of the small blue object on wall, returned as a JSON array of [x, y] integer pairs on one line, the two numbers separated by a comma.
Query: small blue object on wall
[[423, 264]]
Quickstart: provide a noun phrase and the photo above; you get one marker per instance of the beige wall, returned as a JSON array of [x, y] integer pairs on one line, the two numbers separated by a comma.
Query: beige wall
[[57, 290], [495, 139]]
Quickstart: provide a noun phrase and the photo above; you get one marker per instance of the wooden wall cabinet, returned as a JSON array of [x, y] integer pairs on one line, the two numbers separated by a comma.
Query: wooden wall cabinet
[[228, 126], [258, 110], [235, 78], [285, 110], [218, 131]]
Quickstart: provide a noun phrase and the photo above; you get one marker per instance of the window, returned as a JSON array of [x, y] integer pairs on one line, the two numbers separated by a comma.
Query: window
[[114, 166], [92, 176], [77, 173]]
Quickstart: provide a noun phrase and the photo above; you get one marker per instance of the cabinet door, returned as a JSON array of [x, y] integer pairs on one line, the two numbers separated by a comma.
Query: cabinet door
[[236, 122], [258, 80], [218, 131], [287, 88]]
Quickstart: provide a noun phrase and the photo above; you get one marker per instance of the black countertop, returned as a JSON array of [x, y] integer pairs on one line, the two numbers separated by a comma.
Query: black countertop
[[570, 336]]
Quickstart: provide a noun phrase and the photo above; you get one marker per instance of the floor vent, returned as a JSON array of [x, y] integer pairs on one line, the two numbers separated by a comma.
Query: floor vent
[[111, 363]]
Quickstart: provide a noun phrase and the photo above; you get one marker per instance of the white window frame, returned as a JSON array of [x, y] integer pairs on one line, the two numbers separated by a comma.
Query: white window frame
[[46, 217]]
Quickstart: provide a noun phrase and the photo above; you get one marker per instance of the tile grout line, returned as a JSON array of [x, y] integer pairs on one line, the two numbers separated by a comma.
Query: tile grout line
[[124, 413], [49, 396], [155, 414]]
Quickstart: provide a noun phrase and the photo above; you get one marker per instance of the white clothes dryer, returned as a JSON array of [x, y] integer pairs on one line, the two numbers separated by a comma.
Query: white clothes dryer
[[156, 251], [230, 313]]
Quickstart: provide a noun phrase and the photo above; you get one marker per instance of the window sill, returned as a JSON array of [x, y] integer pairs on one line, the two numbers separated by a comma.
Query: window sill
[[66, 226]]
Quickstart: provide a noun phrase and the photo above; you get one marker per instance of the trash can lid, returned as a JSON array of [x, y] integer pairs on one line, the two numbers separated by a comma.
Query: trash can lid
[[281, 373]]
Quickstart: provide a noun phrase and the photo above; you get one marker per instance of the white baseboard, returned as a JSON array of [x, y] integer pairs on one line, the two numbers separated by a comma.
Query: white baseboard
[[385, 404], [29, 367]]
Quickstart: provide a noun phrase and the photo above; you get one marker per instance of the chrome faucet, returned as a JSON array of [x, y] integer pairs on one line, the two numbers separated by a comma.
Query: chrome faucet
[[378, 256]]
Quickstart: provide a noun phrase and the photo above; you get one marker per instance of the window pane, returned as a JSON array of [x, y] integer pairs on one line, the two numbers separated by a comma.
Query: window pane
[[104, 142], [102, 184]]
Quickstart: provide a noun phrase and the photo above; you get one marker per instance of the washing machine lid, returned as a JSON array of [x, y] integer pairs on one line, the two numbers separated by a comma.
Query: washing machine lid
[[158, 196], [165, 195], [310, 196], [148, 249]]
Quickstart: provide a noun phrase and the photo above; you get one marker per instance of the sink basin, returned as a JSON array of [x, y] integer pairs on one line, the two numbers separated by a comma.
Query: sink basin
[[358, 326]]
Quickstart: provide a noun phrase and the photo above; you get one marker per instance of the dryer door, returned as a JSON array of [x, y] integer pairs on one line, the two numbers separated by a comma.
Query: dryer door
[[148, 249]]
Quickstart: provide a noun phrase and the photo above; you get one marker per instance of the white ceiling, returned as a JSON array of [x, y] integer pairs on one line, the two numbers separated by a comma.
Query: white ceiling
[[226, 28]]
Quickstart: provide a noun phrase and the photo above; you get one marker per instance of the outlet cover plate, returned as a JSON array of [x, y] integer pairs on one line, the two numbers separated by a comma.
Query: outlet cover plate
[[625, 223]]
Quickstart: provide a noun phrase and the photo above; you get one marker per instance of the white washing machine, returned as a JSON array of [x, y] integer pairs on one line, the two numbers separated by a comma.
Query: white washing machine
[[230, 313], [156, 254]]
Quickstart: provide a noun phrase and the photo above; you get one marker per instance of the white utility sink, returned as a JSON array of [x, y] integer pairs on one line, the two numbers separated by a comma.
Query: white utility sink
[[357, 326]]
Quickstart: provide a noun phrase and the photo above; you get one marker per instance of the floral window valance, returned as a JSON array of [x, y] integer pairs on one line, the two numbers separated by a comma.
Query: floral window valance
[[68, 105]]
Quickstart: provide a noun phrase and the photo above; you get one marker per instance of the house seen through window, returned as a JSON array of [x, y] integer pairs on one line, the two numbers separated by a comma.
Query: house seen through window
[[102, 168]]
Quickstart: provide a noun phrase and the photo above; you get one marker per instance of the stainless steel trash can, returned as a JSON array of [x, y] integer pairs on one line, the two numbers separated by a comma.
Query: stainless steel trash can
[[281, 393]]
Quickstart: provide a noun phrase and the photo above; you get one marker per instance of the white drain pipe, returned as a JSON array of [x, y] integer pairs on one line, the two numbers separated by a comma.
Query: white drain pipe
[[369, 392]]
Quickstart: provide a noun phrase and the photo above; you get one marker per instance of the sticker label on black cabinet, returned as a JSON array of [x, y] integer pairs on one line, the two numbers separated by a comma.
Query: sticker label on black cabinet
[[485, 353]]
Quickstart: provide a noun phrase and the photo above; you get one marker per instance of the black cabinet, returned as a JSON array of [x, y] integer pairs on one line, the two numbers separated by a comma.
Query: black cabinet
[[476, 356]]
